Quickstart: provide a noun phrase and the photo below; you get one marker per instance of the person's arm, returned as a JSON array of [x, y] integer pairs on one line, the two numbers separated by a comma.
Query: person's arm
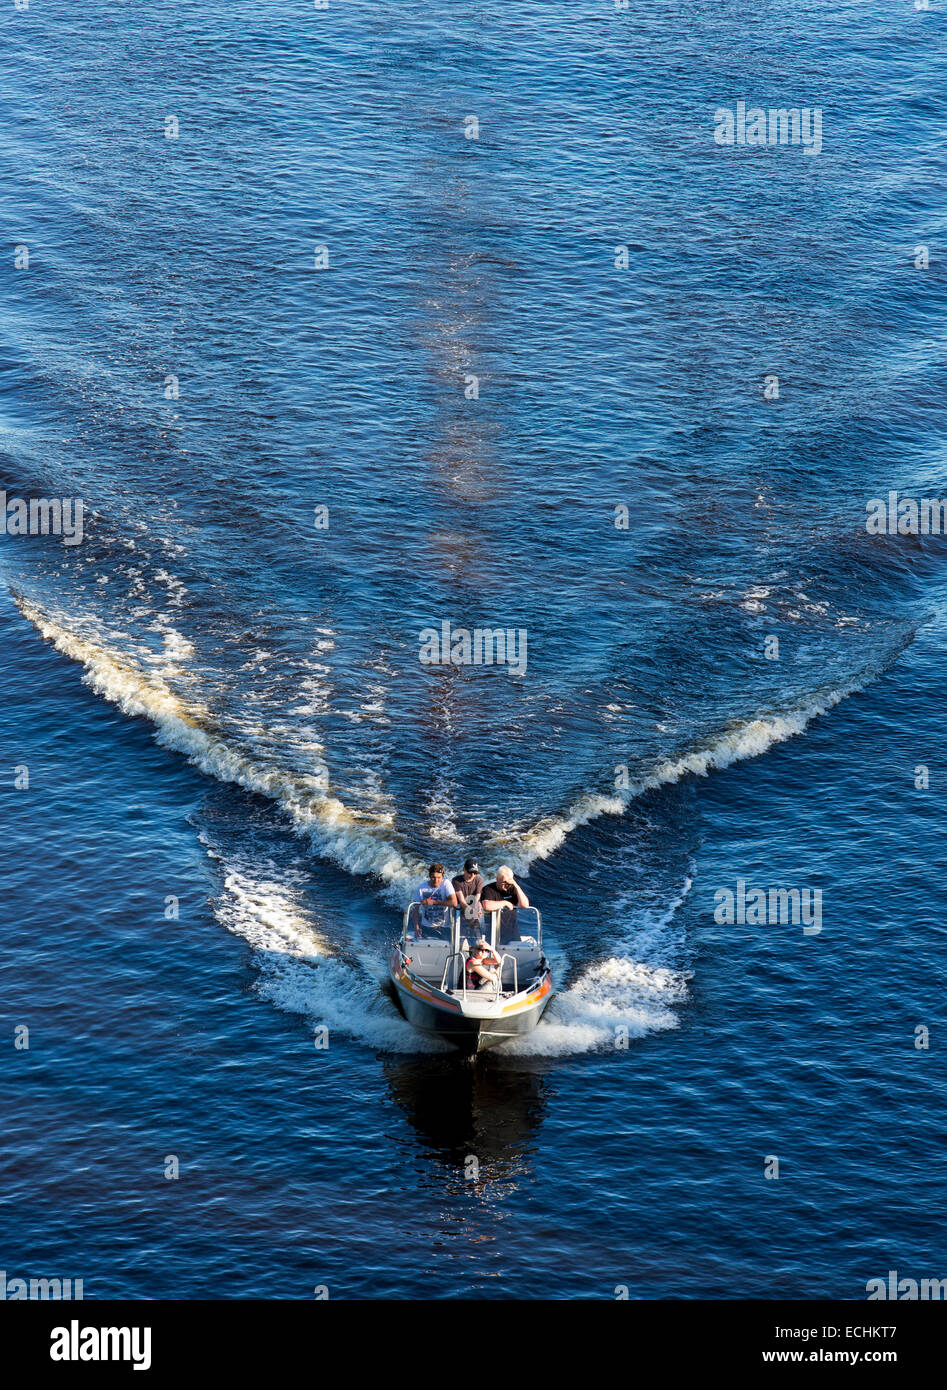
[[452, 900], [521, 898]]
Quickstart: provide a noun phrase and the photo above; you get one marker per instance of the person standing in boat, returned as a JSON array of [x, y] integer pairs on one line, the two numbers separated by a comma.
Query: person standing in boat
[[468, 886], [435, 894], [503, 891], [505, 894]]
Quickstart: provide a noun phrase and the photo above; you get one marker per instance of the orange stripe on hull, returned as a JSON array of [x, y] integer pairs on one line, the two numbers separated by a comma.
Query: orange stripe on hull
[[421, 993]]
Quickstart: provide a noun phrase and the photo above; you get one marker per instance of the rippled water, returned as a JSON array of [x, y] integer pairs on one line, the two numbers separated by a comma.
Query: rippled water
[[220, 702]]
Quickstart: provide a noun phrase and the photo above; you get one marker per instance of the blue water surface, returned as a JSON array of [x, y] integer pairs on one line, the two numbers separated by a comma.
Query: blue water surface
[[274, 268]]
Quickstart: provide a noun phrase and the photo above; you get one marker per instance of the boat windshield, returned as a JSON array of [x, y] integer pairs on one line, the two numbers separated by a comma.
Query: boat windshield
[[437, 922], [517, 924], [432, 919]]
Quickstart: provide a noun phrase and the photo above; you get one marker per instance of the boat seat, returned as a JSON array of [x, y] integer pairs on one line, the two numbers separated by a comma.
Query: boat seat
[[527, 956], [428, 958]]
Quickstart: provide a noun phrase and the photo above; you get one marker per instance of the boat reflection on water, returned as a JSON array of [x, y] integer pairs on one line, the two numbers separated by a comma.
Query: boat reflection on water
[[488, 1111]]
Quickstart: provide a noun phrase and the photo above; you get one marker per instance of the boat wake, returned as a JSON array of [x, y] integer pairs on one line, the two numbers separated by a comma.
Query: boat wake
[[635, 990], [299, 969], [358, 841], [632, 990], [746, 739]]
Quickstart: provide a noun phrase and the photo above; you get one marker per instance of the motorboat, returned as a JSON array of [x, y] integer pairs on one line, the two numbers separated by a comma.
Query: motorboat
[[435, 992]]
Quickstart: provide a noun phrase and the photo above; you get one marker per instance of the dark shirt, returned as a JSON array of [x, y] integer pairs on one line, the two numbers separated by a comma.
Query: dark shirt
[[503, 895], [471, 889]]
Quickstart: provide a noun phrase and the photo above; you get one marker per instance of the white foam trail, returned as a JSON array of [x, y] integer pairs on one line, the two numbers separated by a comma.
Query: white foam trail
[[359, 842], [623, 996], [299, 971], [746, 740], [614, 1001]]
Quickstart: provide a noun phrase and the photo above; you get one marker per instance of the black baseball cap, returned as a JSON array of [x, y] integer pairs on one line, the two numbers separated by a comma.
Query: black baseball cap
[[470, 866]]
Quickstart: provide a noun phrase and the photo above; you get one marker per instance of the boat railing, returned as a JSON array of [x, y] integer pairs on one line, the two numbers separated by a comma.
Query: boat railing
[[426, 918], [505, 957], [454, 955], [421, 918]]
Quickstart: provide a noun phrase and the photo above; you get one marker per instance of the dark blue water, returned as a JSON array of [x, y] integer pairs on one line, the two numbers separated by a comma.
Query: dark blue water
[[236, 761]]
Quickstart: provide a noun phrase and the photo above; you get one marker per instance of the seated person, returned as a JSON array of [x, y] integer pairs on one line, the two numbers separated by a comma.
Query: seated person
[[436, 895], [504, 893], [483, 967], [468, 886]]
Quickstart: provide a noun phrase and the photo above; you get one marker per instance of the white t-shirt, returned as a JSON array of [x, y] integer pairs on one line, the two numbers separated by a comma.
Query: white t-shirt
[[440, 894]]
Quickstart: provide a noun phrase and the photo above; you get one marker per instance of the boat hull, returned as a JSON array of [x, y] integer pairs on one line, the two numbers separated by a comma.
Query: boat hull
[[474, 1026]]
